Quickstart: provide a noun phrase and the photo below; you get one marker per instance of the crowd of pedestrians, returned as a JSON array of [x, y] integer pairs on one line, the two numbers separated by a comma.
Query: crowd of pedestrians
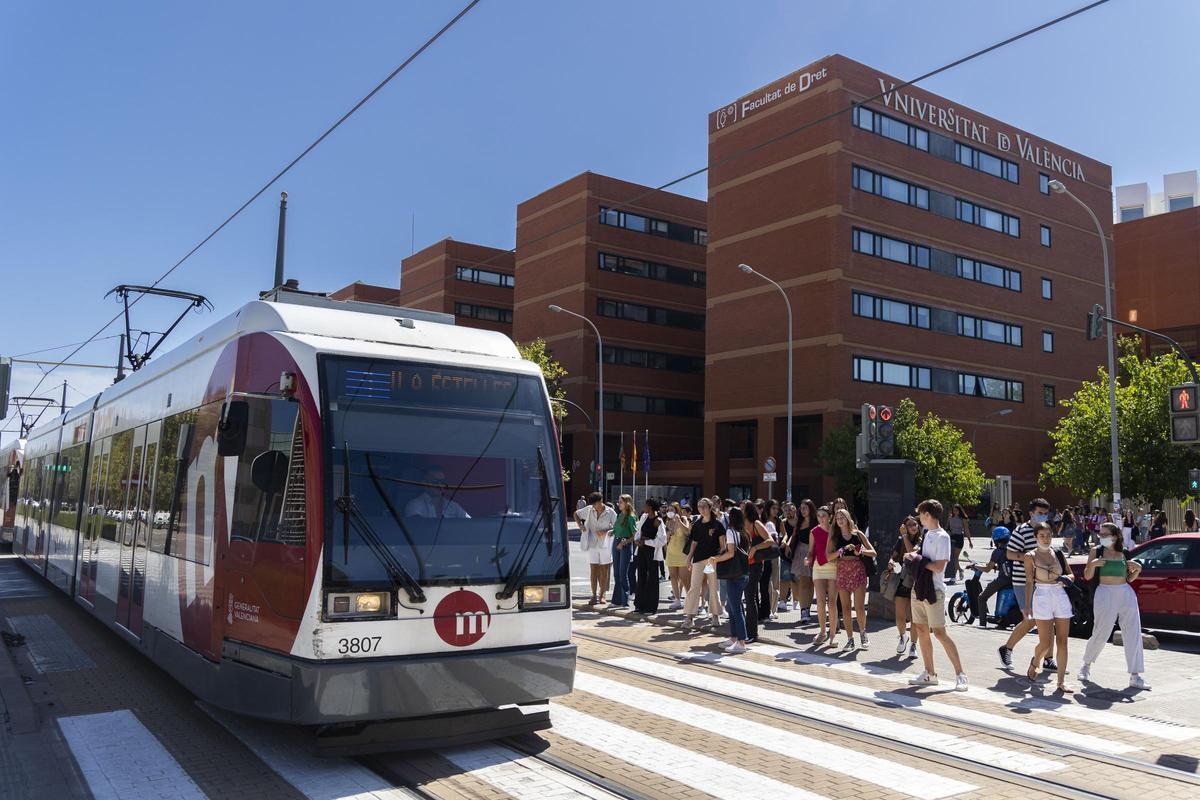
[[743, 563]]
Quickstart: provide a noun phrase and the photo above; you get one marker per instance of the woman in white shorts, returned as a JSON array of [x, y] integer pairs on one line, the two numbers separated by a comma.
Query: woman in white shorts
[[596, 521], [1047, 603]]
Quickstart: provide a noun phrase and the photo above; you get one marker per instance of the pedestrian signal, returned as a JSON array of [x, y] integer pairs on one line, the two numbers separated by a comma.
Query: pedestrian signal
[[885, 439], [1185, 416], [1095, 322], [1194, 481]]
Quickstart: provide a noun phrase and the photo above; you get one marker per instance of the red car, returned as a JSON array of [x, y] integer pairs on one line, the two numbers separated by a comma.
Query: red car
[[1168, 589]]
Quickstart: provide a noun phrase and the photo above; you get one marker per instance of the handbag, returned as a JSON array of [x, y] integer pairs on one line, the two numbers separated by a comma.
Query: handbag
[[732, 569], [869, 565], [889, 585], [767, 553]]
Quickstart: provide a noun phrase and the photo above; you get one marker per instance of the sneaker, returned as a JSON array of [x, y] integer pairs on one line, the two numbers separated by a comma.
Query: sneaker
[[715, 620], [1085, 672], [924, 679], [951, 582], [781, 606], [688, 624], [960, 682], [1049, 664], [912, 650], [676, 606], [805, 616], [1005, 656], [735, 649], [1138, 682], [727, 642], [901, 645], [865, 642]]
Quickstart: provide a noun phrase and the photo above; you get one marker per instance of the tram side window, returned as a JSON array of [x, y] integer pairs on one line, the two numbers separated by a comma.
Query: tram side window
[[117, 485], [269, 492], [188, 535], [30, 488], [164, 487], [95, 494], [71, 463]]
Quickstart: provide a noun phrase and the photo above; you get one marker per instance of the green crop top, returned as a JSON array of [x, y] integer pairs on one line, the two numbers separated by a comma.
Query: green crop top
[[1112, 568], [625, 526]]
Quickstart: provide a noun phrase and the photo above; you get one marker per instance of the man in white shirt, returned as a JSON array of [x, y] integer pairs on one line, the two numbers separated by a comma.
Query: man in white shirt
[[596, 522], [930, 617], [432, 502]]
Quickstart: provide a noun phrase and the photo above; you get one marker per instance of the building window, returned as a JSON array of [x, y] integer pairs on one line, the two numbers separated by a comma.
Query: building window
[[1048, 395], [643, 404], [1047, 341], [892, 188], [636, 312], [873, 244], [880, 308], [892, 128], [487, 313], [872, 370], [652, 359], [677, 231], [640, 268], [995, 388], [1180, 203], [974, 270], [989, 330], [986, 162], [1047, 288], [1045, 234], [1043, 183], [984, 217], [1132, 213], [476, 275]]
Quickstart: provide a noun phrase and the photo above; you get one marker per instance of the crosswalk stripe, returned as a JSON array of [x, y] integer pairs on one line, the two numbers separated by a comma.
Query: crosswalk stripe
[[866, 723], [1146, 727], [122, 760], [283, 750], [871, 769], [519, 776], [694, 770], [955, 713]]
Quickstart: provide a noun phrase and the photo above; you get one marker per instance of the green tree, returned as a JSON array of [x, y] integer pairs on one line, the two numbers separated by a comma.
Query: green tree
[[1151, 467], [945, 462], [554, 372]]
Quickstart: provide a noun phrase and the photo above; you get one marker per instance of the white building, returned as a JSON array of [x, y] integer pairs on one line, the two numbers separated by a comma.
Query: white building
[[1134, 201]]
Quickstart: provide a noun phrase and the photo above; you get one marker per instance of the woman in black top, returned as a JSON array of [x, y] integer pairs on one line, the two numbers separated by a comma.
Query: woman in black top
[[759, 539], [1159, 526], [650, 538], [795, 547], [707, 539]]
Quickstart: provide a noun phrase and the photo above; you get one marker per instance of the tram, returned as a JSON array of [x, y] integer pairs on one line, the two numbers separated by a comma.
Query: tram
[[334, 514]]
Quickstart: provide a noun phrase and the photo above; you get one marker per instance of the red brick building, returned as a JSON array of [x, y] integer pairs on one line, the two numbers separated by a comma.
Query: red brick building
[[1157, 276], [632, 261], [924, 256]]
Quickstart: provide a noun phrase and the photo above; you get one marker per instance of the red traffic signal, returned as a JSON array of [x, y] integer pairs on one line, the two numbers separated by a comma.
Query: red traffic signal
[[885, 414], [1183, 398], [871, 413]]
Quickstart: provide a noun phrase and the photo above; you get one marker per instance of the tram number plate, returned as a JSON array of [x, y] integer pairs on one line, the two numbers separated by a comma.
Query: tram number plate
[[365, 644]]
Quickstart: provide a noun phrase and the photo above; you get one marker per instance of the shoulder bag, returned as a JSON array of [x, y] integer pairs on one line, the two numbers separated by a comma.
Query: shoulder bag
[[731, 569], [767, 553], [889, 584], [1074, 591]]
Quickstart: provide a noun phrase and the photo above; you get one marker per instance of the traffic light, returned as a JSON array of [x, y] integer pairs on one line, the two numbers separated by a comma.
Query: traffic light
[[1185, 417], [885, 440], [1095, 322], [1194, 482], [870, 429]]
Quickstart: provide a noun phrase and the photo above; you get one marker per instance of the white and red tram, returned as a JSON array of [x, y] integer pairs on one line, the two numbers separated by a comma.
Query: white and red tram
[[323, 513]]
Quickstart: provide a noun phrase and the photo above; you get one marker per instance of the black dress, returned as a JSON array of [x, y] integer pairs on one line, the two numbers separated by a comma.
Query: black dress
[[646, 599]]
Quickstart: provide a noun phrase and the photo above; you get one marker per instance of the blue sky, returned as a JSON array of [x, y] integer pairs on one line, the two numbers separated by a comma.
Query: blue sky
[[132, 129]]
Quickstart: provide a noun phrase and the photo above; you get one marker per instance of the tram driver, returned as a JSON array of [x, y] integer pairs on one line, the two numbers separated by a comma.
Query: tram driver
[[432, 503]]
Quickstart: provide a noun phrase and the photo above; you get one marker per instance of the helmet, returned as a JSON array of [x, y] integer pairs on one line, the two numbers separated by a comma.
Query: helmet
[[1000, 534]]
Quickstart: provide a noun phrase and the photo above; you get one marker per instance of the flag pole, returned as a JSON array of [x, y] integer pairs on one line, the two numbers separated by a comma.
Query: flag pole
[[622, 466]]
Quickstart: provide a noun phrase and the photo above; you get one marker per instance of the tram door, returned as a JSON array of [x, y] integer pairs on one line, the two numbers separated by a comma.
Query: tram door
[[130, 515], [92, 523], [141, 537]]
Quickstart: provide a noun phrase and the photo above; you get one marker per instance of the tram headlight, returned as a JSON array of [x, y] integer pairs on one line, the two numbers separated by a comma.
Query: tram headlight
[[357, 605], [554, 596], [368, 603]]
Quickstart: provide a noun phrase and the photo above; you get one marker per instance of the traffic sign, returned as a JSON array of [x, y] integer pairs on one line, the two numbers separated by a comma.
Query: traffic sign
[[1185, 415], [769, 477], [770, 465]]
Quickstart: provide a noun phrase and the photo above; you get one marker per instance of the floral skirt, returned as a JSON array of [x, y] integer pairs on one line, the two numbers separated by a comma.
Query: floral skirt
[[851, 574]]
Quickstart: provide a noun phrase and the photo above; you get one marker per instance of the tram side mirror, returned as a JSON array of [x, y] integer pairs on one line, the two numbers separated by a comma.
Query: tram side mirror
[[231, 430], [268, 472]]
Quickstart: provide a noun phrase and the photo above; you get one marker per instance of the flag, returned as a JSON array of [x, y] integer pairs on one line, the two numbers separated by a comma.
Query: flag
[[646, 457], [633, 461], [622, 451]]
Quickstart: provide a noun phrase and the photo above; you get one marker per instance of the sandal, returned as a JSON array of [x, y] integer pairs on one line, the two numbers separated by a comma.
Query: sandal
[[1032, 672]]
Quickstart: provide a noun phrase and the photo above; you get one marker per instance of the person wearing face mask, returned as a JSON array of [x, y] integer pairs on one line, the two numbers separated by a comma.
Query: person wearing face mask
[[1114, 601], [1020, 542], [1047, 602]]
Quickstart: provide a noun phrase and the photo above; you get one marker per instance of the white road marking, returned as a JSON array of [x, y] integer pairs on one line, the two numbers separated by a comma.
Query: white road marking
[[284, 750], [867, 723], [861, 766], [521, 776], [1034, 730], [703, 773], [122, 760], [1145, 727]]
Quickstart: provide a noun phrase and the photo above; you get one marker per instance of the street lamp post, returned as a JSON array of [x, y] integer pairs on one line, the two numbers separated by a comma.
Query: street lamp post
[[600, 403], [749, 270], [1059, 188], [1003, 412]]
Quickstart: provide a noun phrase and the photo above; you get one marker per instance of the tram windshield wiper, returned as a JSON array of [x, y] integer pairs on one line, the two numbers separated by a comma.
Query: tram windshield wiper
[[529, 545]]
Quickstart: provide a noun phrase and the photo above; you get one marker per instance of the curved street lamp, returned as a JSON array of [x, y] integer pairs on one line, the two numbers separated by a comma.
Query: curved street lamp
[[557, 309]]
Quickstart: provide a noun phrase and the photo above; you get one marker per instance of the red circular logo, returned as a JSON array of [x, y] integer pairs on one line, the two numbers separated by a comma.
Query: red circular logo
[[462, 618]]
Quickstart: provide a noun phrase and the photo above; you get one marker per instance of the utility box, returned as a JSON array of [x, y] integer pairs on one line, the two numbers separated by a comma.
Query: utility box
[[891, 496]]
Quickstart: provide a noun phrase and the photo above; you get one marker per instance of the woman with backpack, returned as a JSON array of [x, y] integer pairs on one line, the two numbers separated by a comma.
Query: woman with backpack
[[908, 541], [1047, 602], [731, 567], [1114, 601], [847, 547], [761, 544]]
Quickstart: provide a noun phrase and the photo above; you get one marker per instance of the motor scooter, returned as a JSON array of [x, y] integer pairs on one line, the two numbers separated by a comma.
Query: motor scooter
[[963, 606]]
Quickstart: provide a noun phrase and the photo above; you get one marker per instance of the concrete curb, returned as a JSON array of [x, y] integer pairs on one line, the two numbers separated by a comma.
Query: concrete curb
[[659, 619]]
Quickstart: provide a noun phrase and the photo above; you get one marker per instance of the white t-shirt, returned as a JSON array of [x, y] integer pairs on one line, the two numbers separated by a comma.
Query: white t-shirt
[[936, 547]]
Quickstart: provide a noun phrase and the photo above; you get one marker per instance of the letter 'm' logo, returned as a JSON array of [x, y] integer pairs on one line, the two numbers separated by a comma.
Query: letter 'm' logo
[[462, 618]]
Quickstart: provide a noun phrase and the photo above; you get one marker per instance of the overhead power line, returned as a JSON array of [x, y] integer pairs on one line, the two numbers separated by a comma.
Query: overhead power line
[[363, 101]]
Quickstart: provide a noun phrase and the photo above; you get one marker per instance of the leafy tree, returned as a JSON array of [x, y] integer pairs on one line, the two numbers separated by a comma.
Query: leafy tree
[[945, 462], [1151, 467], [554, 372]]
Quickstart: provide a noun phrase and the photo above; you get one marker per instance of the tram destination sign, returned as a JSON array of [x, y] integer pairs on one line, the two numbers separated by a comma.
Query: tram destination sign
[[427, 385]]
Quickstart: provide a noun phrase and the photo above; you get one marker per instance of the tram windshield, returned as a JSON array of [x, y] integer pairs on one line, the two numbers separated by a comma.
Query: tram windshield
[[439, 475]]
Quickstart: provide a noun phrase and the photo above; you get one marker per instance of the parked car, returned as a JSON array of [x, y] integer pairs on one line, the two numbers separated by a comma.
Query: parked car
[[1168, 588]]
